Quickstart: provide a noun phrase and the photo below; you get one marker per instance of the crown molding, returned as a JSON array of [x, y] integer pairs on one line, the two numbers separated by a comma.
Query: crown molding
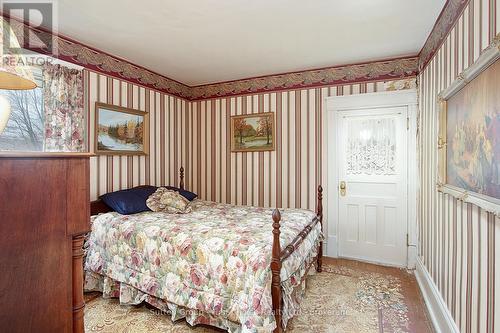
[[99, 61], [451, 12]]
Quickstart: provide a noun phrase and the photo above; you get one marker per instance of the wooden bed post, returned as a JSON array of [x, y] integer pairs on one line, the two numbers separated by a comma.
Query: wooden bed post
[[319, 213], [276, 270], [181, 178]]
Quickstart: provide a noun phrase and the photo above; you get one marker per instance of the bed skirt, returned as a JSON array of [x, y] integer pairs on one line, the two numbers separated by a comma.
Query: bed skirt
[[293, 290]]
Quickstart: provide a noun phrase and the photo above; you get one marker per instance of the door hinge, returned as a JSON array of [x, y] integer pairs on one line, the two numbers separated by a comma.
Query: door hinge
[[408, 123]]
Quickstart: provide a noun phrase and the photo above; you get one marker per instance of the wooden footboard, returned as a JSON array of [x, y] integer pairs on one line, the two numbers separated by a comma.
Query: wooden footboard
[[279, 256]]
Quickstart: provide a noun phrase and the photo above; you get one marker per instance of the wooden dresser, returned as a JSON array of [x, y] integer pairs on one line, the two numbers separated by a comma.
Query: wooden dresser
[[44, 212]]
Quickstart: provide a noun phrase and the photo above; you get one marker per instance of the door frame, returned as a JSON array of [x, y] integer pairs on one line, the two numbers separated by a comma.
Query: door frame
[[403, 98]]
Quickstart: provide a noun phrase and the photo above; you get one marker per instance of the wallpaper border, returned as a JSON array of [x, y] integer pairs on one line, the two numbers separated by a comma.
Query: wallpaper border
[[451, 12], [91, 58], [369, 71], [99, 61]]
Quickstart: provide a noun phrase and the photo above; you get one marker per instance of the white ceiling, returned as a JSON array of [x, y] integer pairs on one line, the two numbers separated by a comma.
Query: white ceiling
[[205, 41]]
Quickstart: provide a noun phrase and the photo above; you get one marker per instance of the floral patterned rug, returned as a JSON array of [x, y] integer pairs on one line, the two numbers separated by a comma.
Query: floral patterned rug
[[341, 299]]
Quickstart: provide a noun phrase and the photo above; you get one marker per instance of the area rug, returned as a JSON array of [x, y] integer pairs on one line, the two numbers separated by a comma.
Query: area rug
[[340, 299]]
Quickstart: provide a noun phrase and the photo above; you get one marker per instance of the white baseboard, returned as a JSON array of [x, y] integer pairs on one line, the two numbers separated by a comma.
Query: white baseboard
[[331, 247], [440, 315]]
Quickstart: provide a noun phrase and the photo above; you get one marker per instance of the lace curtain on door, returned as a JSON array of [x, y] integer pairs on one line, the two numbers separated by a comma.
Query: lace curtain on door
[[371, 147]]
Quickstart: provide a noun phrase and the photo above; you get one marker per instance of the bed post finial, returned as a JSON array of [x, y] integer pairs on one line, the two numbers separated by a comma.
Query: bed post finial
[[319, 208], [276, 270], [319, 213], [276, 234], [181, 178]]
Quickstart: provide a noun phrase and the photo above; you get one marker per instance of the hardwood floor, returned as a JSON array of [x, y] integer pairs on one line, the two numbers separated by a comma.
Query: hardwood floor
[[419, 317]]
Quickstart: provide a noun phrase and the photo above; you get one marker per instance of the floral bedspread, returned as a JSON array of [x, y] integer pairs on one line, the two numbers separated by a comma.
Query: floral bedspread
[[214, 260]]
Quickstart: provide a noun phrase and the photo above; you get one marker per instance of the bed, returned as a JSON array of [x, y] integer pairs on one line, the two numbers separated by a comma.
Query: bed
[[220, 265]]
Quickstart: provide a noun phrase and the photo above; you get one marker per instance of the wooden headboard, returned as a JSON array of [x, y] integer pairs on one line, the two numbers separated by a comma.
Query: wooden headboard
[[99, 207]]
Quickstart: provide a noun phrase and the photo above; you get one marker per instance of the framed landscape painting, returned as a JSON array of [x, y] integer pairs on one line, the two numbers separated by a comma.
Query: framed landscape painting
[[252, 132], [472, 131], [120, 130]]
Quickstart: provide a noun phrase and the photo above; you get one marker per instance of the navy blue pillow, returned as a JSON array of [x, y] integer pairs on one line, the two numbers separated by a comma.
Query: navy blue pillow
[[186, 194], [129, 201]]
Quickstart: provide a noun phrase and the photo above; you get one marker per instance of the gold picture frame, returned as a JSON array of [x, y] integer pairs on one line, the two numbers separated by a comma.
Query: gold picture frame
[[253, 132], [468, 166], [120, 131]]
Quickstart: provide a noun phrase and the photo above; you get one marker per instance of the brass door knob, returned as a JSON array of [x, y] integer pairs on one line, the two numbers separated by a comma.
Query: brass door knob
[[342, 188]]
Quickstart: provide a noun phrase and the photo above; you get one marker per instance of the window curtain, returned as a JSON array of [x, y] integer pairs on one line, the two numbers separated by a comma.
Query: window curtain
[[63, 106]]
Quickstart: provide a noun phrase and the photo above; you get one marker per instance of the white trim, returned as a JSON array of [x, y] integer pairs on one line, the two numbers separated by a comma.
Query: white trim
[[440, 315], [485, 60], [369, 100], [413, 184], [331, 246], [331, 186], [407, 98], [489, 204]]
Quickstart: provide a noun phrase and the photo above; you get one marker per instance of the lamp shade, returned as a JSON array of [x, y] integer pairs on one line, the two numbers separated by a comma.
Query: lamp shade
[[14, 73]]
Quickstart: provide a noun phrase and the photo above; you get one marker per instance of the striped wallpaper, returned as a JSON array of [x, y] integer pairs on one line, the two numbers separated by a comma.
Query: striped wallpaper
[[459, 243], [168, 135], [196, 136], [286, 177]]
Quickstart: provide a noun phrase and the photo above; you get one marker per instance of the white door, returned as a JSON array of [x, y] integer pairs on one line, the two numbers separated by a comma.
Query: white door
[[372, 174]]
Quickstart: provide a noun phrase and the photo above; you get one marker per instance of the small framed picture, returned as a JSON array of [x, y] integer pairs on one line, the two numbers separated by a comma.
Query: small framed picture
[[120, 131], [252, 132]]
